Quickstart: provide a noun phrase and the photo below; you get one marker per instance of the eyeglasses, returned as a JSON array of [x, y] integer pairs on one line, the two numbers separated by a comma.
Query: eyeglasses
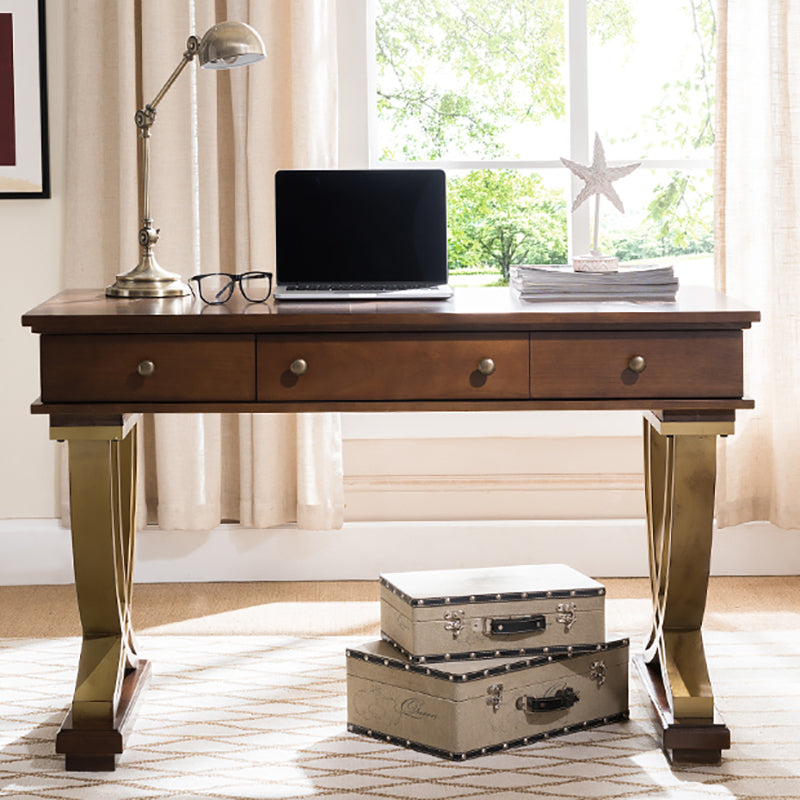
[[216, 288]]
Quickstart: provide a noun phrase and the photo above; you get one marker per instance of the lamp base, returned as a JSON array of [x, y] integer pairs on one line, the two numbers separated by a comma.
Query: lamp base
[[148, 279]]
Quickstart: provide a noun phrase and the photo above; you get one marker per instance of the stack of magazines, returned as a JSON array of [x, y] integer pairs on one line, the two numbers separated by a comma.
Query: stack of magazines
[[560, 282]]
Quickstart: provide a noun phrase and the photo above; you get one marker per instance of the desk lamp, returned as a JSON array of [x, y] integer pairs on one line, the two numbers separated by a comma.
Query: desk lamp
[[225, 45]]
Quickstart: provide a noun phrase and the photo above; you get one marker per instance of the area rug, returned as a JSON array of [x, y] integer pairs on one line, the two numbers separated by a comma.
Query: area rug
[[265, 717]]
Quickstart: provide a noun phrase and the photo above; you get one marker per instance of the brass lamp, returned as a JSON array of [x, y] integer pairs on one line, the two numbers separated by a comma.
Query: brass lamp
[[225, 45]]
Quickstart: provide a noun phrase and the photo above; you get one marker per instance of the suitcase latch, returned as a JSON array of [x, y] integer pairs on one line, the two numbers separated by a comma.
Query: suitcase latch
[[495, 692], [598, 672], [454, 621], [567, 613]]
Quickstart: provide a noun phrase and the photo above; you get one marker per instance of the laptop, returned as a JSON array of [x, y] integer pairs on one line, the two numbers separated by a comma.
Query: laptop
[[376, 234]]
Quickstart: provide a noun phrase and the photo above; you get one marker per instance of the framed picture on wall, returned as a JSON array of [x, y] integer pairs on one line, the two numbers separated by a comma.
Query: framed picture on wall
[[24, 152]]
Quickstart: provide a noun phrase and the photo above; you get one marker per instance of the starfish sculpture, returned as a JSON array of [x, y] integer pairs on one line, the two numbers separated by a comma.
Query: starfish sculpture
[[598, 179]]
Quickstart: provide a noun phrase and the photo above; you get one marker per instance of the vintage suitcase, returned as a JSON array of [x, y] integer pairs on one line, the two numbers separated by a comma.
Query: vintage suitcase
[[463, 709], [436, 615]]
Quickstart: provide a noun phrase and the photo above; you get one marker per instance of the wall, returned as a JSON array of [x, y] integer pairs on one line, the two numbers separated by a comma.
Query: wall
[[418, 469], [30, 270]]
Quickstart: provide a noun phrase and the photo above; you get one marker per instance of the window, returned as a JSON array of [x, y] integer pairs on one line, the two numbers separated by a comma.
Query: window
[[495, 93], [640, 74]]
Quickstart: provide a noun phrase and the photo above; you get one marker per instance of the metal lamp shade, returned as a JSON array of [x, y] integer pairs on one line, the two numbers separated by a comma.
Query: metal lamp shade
[[230, 44]]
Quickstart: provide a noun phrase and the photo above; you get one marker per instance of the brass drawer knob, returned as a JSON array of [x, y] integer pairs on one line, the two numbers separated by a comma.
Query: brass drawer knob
[[298, 367], [637, 364], [146, 368], [486, 366]]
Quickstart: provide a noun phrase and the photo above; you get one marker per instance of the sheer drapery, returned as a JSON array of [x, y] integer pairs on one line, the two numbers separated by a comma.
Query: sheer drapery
[[757, 199], [216, 143]]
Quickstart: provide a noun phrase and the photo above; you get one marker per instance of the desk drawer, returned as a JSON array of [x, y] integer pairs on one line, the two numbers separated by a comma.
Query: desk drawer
[[85, 369], [679, 364], [374, 367]]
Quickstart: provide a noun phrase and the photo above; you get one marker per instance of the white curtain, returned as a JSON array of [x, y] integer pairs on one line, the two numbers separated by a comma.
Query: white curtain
[[216, 143], [757, 207]]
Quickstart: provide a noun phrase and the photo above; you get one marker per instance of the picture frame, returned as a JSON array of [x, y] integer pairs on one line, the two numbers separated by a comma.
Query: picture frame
[[24, 143]]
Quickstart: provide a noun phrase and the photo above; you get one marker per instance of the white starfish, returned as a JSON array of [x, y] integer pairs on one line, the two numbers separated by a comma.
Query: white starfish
[[599, 176]]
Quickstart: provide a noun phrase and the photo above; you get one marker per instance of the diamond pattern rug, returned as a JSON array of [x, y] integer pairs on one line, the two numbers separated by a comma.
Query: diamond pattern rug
[[265, 717]]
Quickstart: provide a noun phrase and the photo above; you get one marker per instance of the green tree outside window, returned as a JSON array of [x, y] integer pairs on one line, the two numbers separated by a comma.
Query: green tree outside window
[[466, 79]]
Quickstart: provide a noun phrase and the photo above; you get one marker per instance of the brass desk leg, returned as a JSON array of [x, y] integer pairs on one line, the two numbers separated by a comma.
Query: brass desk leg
[[102, 470], [680, 470]]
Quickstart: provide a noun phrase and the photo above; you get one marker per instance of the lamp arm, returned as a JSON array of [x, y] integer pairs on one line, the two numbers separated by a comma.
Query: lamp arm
[[145, 117]]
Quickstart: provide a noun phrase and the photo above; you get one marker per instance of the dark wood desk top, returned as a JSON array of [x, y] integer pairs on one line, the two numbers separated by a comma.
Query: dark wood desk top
[[471, 309], [482, 349]]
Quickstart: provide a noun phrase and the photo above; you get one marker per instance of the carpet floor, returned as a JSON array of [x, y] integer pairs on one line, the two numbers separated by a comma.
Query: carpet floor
[[254, 715]]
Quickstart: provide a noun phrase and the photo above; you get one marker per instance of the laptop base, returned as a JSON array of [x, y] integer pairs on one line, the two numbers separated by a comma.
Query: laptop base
[[442, 292]]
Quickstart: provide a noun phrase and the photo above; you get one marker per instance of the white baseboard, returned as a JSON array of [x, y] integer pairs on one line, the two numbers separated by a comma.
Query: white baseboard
[[38, 551]]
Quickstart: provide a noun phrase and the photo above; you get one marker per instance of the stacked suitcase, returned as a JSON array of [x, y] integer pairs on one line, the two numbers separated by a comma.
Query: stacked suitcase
[[476, 661]]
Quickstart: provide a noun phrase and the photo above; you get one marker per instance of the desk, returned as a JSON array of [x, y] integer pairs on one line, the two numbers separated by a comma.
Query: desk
[[106, 361]]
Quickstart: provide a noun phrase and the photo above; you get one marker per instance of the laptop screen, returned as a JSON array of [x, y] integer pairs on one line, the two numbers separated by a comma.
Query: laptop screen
[[360, 227]]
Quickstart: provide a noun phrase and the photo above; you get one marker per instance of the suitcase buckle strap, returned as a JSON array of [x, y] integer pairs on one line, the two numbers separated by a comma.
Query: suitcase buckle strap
[[563, 698], [509, 626]]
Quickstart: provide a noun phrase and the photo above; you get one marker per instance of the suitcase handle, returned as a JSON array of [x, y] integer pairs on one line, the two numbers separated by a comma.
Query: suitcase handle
[[563, 698], [512, 625]]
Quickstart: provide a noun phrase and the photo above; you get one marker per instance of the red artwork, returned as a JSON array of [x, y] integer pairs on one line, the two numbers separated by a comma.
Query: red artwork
[[8, 149]]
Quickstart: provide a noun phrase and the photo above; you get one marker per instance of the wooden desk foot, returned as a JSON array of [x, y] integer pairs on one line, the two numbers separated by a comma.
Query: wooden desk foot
[[96, 750], [684, 743]]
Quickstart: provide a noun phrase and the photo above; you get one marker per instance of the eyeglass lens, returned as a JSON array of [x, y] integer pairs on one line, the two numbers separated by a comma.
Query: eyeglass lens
[[256, 286], [216, 288]]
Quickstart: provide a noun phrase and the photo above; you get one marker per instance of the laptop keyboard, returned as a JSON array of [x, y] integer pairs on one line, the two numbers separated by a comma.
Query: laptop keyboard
[[356, 287]]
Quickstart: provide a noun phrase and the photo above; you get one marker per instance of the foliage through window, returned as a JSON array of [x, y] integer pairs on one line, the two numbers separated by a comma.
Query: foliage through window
[[483, 90]]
